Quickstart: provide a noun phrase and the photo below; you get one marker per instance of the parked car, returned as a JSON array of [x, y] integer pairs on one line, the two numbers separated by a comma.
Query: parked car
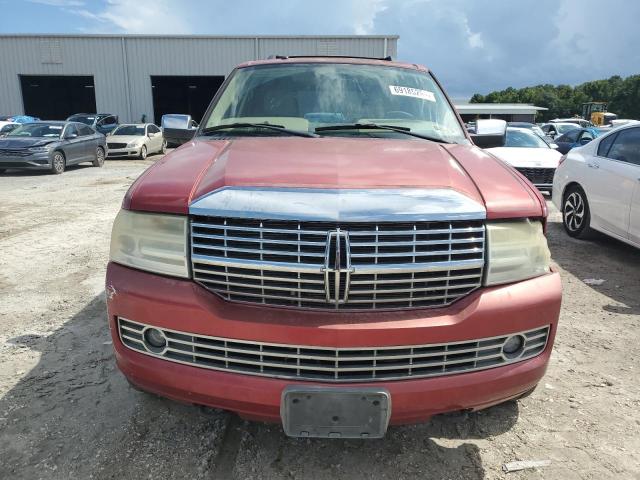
[[530, 155], [575, 138], [597, 186], [529, 126], [332, 252], [51, 146], [136, 140], [6, 127], [552, 130], [101, 122], [23, 119], [581, 122], [178, 128]]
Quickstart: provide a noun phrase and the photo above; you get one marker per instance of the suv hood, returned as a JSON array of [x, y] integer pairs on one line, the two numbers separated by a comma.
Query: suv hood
[[201, 166]]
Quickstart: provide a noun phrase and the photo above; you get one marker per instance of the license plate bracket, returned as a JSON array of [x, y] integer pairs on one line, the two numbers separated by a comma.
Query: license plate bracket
[[333, 412]]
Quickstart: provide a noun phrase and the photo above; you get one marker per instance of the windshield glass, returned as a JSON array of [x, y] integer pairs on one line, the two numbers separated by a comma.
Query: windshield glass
[[567, 127], [37, 130], [524, 138], [175, 121], [129, 130], [303, 97], [86, 119]]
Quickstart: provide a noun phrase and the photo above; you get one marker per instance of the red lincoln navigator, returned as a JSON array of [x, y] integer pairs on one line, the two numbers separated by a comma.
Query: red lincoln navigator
[[333, 251]]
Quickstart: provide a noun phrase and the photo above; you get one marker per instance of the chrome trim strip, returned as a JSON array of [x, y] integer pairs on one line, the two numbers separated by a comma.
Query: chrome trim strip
[[339, 205], [221, 349]]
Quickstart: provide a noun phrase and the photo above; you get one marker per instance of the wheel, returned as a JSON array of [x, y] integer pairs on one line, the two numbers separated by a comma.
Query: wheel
[[99, 161], [143, 152], [163, 148], [58, 164], [575, 213]]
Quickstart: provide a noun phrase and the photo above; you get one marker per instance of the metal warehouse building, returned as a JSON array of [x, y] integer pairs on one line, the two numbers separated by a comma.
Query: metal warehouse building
[[54, 76]]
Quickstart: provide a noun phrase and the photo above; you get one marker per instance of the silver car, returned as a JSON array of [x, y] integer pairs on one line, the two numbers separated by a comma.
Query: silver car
[[51, 146], [136, 140]]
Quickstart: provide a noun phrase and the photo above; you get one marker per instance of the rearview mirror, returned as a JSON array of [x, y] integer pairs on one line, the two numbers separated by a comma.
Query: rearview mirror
[[490, 133]]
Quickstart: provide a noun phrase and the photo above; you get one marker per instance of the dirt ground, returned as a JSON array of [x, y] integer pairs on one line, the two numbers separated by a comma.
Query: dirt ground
[[66, 412]]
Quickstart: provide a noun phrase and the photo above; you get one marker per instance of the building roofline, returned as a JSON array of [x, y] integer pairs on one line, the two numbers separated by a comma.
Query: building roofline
[[212, 37]]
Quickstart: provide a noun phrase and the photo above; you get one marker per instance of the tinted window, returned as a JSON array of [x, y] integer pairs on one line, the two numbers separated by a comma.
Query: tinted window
[[153, 129], [570, 137], [626, 146], [605, 145], [109, 121], [71, 129], [568, 127], [86, 119], [84, 131]]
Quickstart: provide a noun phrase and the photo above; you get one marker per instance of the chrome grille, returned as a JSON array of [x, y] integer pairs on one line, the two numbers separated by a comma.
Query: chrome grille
[[333, 364], [381, 265]]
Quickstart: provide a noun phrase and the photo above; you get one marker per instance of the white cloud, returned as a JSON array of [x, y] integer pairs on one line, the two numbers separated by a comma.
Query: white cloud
[[60, 3]]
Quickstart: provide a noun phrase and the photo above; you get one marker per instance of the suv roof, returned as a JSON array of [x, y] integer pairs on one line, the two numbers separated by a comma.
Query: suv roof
[[284, 59]]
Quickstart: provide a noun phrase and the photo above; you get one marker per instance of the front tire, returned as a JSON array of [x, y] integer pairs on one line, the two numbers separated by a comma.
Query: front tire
[[58, 164], [163, 148], [99, 161], [143, 152], [576, 216]]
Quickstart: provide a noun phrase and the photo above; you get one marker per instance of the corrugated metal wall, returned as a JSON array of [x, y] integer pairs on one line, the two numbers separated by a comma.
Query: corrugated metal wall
[[122, 65]]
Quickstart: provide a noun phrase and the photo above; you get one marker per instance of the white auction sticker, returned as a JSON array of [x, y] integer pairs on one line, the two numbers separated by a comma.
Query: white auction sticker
[[412, 92]]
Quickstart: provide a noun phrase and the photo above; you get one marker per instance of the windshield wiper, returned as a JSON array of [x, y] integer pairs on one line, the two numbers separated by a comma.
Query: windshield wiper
[[376, 126], [266, 126]]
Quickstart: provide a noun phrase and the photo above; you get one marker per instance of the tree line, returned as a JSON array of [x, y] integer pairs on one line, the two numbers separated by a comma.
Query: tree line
[[622, 94]]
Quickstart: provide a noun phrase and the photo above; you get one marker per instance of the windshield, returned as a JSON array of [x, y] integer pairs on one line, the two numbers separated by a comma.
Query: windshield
[[129, 130], [303, 97], [86, 119], [37, 130], [524, 139], [176, 121], [567, 127]]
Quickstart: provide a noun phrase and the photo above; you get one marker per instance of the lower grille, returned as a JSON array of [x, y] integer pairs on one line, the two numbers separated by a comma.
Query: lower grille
[[21, 152], [538, 176], [333, 364], [117, 145]]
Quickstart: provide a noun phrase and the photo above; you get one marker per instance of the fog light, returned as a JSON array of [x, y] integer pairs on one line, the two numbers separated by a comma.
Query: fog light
[[513, 347], [154, 340]]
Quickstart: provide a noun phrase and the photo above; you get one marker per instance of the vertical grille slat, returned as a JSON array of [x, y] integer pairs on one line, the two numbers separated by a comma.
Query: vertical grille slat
[[381, 265]]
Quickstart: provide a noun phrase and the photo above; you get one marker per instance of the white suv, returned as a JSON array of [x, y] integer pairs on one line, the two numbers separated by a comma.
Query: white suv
[[597, 186]]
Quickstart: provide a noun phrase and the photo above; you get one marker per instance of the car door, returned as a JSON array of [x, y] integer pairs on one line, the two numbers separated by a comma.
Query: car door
[[567, 141], [73, 145], [155, 138], [613, 184], [89, 142]]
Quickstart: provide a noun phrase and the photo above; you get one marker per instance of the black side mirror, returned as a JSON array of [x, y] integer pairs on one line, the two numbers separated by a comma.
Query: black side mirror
[[490, 133]]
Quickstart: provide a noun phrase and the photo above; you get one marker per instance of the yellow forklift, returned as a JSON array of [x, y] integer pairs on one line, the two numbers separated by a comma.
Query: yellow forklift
[[596, 113]]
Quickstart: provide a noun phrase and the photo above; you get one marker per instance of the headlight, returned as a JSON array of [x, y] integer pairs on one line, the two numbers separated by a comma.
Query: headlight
[[517, 250], [46, 148], [135, 143], [149, 241]]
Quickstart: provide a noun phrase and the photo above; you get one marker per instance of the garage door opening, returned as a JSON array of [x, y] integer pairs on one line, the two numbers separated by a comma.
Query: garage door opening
[[183, 94], [55, 97]]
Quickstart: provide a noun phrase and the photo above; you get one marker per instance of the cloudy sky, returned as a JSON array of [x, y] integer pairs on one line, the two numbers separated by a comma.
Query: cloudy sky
[[471, 45]]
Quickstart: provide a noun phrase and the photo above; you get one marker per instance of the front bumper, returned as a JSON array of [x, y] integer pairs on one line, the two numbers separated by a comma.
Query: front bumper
[[185, 306], [124, 152], [37, 161]]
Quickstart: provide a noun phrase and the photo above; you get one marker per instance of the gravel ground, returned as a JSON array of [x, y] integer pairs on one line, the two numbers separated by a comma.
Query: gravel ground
[[66, 412]]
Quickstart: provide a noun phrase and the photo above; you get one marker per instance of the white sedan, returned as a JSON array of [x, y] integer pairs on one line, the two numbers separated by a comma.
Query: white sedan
[[530, 155], [597, 186], [136, 140]]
